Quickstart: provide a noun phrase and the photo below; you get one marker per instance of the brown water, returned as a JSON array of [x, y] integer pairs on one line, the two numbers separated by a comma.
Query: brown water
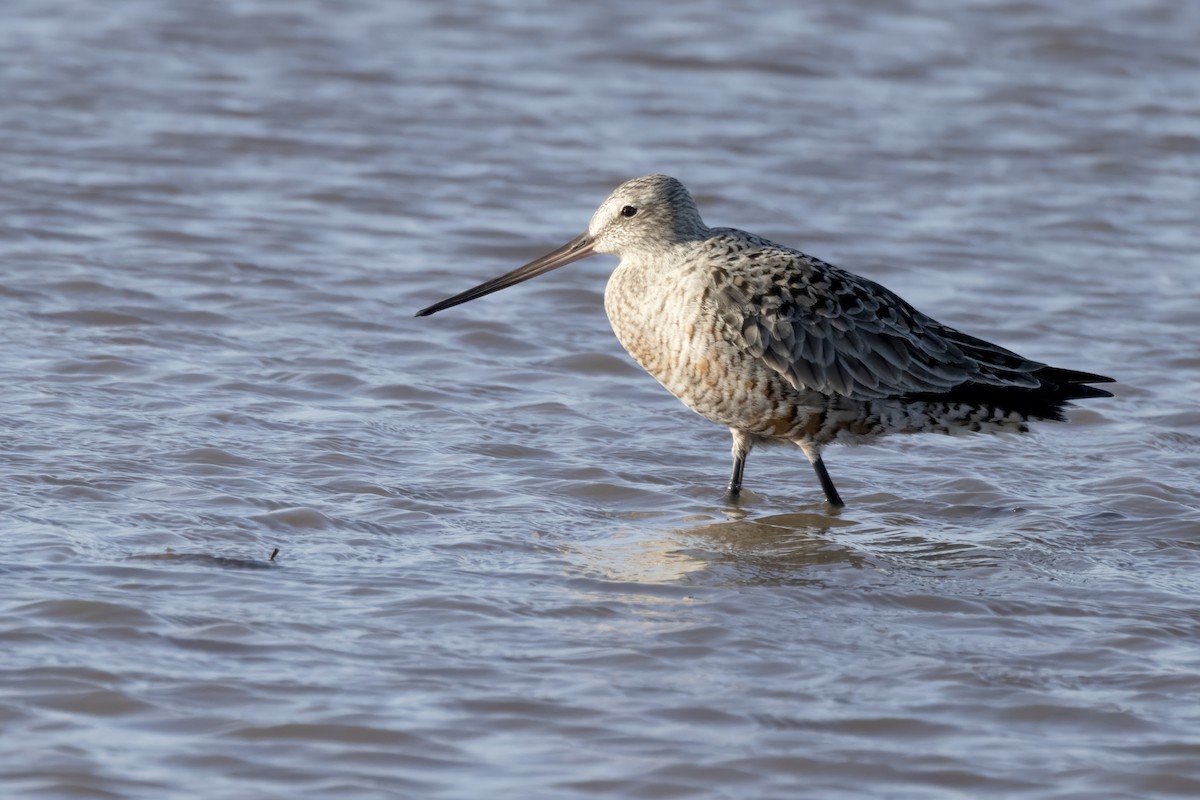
[[505, 568]]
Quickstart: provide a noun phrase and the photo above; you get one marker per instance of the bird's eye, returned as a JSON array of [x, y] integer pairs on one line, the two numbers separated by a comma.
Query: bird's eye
[[628, 211]]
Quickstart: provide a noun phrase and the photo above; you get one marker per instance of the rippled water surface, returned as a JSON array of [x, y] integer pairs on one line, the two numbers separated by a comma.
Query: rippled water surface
[[504, 567]]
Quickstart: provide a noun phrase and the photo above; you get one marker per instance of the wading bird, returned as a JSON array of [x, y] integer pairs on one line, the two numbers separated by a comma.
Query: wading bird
[[779, 346]]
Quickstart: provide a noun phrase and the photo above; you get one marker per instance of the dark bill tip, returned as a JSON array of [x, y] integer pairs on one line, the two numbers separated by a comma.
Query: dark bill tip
[[577, 248]]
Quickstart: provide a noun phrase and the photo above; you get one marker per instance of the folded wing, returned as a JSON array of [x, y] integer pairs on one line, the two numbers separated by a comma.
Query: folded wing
[[833, 332]]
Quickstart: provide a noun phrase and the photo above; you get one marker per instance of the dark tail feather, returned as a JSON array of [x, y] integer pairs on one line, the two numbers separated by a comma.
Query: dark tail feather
[[1047, 401], [1072, 384]]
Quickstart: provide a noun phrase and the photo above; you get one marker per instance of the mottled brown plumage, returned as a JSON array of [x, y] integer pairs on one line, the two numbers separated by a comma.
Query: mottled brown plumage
[[781, 347]]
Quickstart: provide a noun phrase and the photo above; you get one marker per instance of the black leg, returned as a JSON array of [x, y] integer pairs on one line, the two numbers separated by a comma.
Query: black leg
[[735, 478], [831, 492]]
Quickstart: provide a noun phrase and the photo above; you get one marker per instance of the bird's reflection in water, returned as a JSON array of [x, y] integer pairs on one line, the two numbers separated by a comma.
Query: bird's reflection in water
[[781, 548]]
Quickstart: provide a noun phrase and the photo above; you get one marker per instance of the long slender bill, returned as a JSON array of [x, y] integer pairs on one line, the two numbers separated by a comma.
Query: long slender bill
[[577, 248]]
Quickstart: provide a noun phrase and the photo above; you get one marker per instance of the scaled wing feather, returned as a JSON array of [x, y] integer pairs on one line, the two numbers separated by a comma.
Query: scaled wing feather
[[829, 331]]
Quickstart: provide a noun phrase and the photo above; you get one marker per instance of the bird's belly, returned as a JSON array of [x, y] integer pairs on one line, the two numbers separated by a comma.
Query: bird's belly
[[681, 342]]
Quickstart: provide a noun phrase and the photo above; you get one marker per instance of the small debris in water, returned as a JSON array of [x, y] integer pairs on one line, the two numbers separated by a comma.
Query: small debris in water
[[205, 559]]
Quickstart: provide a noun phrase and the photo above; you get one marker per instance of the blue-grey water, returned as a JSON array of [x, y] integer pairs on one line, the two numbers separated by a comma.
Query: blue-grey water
[[505, 569]]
